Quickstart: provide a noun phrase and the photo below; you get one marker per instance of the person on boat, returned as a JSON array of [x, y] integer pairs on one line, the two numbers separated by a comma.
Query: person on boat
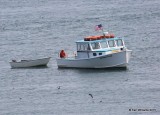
[[62, 54]]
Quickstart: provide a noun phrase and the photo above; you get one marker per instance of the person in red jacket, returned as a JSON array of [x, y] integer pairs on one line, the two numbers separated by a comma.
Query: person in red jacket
[[62, 54]]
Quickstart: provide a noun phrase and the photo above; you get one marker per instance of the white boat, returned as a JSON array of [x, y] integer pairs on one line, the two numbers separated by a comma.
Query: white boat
[[29, 63], [98, 52]]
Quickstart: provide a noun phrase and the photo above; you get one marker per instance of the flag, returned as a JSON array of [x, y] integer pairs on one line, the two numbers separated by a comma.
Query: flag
[[99, 27]]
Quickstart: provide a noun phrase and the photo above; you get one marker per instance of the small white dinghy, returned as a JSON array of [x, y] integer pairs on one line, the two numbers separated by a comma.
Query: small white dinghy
[[29, 63]]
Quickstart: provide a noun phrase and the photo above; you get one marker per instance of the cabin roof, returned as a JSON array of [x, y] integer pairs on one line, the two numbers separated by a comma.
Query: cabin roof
[[83, 41]]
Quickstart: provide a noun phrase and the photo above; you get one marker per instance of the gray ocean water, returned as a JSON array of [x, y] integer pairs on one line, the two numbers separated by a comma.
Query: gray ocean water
[[31, 29]]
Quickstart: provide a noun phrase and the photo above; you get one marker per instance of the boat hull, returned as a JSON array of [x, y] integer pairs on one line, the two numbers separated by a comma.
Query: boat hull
[[30, 63], [118, 59]]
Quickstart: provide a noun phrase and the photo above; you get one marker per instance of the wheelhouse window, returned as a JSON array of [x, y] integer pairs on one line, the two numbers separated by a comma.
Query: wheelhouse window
[[83, 47], [119, 42], [78, 47], [111, 43], [103, 44], [95, 45]]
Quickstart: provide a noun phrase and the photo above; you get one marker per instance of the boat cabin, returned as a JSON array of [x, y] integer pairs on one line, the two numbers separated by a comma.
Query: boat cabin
[[98, 47]]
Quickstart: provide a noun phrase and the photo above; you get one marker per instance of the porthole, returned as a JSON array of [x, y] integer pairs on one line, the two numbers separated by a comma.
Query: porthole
[[100, 53], [94, 54]]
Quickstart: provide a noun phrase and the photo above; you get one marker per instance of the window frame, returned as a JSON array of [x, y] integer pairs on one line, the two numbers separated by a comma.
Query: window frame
[[114, 45], [117, 43], [105, 42]]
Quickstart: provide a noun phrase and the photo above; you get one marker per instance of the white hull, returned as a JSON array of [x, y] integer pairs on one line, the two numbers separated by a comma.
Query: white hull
[[118, 59], [30, 63]]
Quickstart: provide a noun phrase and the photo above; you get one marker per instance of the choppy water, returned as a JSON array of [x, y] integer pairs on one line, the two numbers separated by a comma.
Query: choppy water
[[41, 28]]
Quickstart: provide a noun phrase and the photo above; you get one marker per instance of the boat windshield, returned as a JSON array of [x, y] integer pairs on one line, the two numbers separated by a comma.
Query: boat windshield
[[95, 45], [111, 43], [83, 47], [99, 44], [104, 44], [119, 42]]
